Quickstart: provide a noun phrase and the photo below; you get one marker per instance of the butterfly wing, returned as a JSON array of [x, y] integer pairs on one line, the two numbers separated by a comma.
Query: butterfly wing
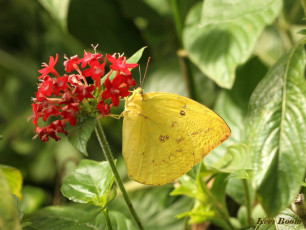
[[165, 135]]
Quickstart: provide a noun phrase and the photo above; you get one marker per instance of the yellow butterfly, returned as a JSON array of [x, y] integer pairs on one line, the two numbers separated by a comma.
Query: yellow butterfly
[[165, 135]]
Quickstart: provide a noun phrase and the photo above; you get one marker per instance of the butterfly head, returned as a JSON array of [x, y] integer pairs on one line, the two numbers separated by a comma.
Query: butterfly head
[[138, 91], [133, 101]]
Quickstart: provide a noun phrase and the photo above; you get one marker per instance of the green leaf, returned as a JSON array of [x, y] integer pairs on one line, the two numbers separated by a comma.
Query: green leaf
[[119, 221], [159, 76], [236, 158], [33, 198], [210, 204], [242, 216], [187, 187], [8, 211], [160, 6], [68, 218], [58, 9], [270, 45], [277, 131], [302, 31], [13, 178], [79, 134], [242, 174], [136, 56], [236, 190], [221, 35], [90, 182], [156, 209], [233, 105]]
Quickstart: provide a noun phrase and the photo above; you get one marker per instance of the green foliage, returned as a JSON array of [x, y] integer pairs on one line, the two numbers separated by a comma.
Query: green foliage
[[155, 207], [277, 123], [210, 205], [220, 35], [13, 178], [8, 212], [244, 59], [58, 10], [71, 218], [80, 134], [90, 182]]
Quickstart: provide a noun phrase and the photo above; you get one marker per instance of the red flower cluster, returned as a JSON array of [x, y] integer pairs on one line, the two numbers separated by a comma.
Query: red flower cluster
[[63, 96]]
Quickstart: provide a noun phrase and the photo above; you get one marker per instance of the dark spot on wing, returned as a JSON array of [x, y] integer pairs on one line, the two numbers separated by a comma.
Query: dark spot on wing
[[182, 113], [163, 138], [179, 139], [194, 133], [173, 124]]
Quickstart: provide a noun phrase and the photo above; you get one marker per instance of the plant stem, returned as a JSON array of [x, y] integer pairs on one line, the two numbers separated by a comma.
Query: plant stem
[[108, 155], [247, 200], [220, 209], [177, 21], [108, 222], [184, 62], [185, 67]]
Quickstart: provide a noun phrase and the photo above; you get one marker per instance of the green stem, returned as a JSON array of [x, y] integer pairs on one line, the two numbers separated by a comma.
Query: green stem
[[247, 200], [108, 222], [185, 66], [108, 155], [215, 204], [283, 28], [177, 21], [184, 62]]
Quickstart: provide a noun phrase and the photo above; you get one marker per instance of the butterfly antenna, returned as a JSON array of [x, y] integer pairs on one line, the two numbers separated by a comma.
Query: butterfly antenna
[[139, 70], [145, 73]]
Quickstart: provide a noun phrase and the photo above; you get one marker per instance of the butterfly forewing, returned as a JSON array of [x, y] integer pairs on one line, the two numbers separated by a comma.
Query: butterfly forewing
[[165, 135]]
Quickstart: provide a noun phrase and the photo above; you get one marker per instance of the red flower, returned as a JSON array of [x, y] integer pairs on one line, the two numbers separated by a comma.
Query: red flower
[[120, 64], [58, 126], [50, 131], [69, 111], [50, 110], [102, 108], [46, 87], [36, 113], [96, 71], [40, 97], [71, 64], [88, 58], [45, 132], [129, 80], [83, 91], [62, 96], [48, 68], [75, 79], [114, 89], [60, 85]]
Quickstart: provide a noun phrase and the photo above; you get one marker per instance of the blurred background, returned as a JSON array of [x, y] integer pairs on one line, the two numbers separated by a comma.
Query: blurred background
[[33, 30]]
